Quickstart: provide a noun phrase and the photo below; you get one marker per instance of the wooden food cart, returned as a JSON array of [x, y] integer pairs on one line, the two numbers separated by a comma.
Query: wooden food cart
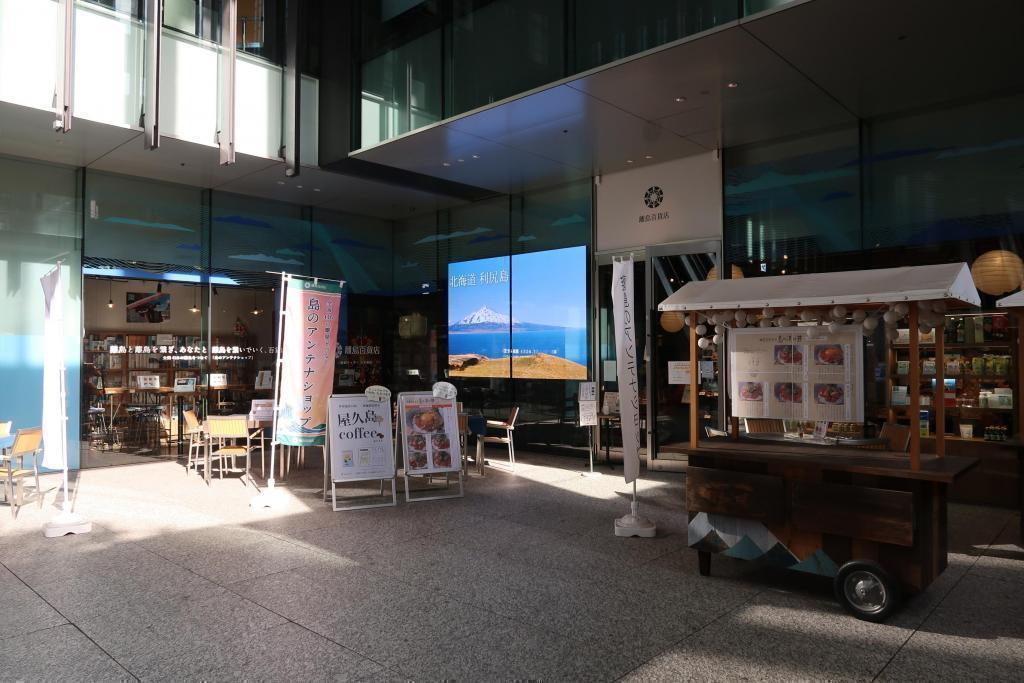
[[1015, 302], [873, 517]]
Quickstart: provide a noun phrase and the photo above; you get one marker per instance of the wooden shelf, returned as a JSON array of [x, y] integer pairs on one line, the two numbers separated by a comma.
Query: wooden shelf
[[961, 345]]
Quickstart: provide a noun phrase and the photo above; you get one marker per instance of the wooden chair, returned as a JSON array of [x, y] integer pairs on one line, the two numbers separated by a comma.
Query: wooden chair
[[222, 428], [27, 444], [764, 425], [196, 440], [508, 427], [897, 436]]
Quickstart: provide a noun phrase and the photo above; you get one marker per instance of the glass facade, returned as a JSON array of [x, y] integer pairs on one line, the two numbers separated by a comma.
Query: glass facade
[[259, 28], [927, 187], [420, 62], [40, 224]]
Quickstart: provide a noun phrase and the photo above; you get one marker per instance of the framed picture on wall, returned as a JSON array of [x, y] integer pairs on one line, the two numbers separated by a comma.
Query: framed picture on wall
[[147, 307]]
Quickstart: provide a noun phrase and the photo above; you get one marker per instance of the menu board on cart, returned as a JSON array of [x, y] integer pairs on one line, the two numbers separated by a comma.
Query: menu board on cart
[[429, 433], [360, 438], [797, 373]]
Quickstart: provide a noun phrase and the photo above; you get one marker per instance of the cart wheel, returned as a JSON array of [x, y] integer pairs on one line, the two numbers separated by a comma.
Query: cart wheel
[[866, 590]]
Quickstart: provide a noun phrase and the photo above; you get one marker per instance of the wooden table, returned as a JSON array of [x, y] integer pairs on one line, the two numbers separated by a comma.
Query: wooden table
[[814, 508]]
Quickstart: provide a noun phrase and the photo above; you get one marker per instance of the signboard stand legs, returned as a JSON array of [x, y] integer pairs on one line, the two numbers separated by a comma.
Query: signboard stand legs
[[334, 490], [590, 449], [428, 430], [66, 521]]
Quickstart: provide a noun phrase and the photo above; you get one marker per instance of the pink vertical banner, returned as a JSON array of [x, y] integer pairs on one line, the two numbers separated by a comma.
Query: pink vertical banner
[[312, 317]]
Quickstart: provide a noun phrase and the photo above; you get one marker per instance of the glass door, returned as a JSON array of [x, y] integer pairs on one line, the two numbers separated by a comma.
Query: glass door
[[609, 435], [669, 268]]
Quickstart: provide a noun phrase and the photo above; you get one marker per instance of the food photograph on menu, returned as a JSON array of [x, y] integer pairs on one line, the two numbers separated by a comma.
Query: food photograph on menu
[[829, 354], [788, 354], [788, 392], [751, 391], [829, 394]]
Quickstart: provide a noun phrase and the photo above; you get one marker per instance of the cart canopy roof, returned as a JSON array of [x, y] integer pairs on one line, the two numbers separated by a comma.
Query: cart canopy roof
[[1012, 301], [949, 281]]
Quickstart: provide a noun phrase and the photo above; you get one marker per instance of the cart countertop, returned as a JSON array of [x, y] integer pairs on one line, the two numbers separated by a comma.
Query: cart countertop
[[839, 459]]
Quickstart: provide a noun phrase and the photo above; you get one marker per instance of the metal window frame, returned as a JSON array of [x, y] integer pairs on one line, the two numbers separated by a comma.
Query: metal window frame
[[64, 81], [154, 21], [226, 84]]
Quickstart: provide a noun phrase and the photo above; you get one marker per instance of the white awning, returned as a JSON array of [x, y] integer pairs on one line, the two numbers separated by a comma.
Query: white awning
[[1012, 301], [949, 281]]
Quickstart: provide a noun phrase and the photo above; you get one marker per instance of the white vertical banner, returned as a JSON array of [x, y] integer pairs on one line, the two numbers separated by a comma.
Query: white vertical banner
[[626, 359], [54, 444]]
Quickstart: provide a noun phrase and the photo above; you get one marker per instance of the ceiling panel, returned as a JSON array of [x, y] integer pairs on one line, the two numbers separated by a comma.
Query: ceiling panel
[[338, 192], [879, 57], [26, 132], [447, 152], [568, 126], [178, 161]]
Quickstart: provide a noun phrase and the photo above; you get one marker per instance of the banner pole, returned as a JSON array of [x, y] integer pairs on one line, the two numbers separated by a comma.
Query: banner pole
[[268, 497], [65, 522]]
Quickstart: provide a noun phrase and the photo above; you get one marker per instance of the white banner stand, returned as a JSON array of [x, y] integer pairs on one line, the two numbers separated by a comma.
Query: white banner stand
[[65, 522], [451, 430], [633, 524], [271, 496], [365, 472]]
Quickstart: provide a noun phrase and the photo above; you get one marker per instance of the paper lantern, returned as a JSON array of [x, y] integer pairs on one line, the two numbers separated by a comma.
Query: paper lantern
[[734, 272], [997, 272], [672, 321]]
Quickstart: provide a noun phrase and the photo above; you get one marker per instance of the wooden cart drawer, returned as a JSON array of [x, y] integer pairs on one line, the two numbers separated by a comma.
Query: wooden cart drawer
[[854, 511], [725, 492]]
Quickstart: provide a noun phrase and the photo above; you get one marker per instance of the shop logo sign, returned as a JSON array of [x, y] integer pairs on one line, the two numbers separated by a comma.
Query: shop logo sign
[[652, 200], [653, 197]]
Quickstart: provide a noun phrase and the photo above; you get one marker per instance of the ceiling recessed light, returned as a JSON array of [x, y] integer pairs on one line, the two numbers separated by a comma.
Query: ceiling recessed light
[[280, 182], [299, 186], [445, 163], [648, 156], [316, 189], [732, 84], [461, 160], [476, 156], [680, 99], [629, 161]]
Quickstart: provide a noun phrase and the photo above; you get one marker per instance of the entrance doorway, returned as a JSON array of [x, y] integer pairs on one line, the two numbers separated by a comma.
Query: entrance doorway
[[669, 267]]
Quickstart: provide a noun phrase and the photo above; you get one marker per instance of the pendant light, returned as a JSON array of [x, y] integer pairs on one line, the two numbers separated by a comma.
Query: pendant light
[[255, 305], [110, 293], [195, 302]]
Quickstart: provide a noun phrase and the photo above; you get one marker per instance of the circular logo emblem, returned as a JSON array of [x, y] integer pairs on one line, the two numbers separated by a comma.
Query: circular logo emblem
[[653, 197]]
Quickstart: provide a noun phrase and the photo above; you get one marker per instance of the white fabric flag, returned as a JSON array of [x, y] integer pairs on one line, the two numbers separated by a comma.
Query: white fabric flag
[[626, 360], [53, 360]]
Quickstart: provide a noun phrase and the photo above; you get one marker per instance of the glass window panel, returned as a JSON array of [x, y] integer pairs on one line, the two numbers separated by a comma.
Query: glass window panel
[[401, 89], [788, 203], [503, 48], [39, 224], [607, 30], [124, 212]]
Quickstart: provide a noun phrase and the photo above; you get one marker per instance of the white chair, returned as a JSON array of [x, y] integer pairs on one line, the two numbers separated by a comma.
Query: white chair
[[222, 428], [27, 444], [508, 427]]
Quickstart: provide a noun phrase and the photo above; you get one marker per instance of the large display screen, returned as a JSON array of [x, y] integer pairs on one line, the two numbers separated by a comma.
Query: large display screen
[[524, 316]]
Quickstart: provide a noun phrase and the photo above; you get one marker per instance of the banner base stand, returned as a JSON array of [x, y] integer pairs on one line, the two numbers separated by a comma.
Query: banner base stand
[[269, 497], [635, 525], [66, 523], [590, 475]]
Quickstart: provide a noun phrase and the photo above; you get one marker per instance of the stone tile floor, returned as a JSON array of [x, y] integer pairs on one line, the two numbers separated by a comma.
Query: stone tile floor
[[520, 579]]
